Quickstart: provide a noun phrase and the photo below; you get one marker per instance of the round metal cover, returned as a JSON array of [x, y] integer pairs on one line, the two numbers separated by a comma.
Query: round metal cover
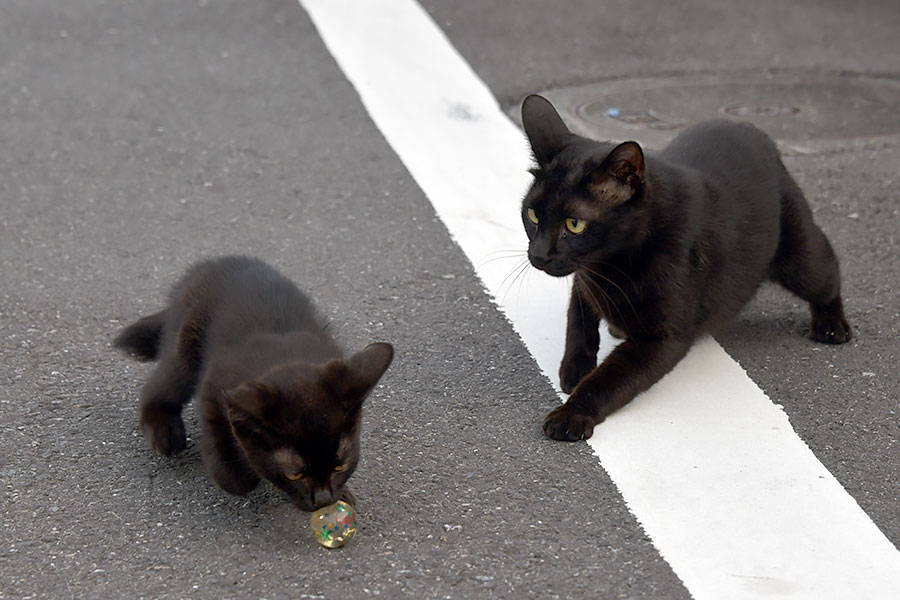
[[805, 113]]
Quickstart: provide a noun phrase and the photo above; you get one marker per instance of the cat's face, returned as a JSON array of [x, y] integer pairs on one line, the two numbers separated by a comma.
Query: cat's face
[[299, 424], [579, 208]]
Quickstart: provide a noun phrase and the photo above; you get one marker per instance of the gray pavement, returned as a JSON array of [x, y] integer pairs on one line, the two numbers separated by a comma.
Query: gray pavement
[[138, 137]]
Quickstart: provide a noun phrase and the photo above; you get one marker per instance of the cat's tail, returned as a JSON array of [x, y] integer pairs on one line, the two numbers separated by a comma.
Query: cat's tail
[[141, 338]]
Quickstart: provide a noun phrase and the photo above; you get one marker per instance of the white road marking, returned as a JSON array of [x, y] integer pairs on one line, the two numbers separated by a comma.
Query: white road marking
[[732, 498]]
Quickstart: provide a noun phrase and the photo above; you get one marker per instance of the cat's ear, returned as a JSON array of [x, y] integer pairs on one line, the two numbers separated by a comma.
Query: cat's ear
[[616, 180], [247, 401], [545, 129], [355, 377]]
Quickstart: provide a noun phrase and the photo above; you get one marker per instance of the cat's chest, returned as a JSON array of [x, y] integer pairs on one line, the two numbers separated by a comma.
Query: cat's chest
[[608, 292], [635, 305]]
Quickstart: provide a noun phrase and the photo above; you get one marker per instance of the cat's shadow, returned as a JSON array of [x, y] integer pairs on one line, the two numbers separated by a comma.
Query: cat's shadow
[[265, 510], [264, 514], [768, 323]]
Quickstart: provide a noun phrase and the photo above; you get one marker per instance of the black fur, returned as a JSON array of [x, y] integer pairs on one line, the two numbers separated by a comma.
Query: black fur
[[141, 339], [668, 247], [278, 399]]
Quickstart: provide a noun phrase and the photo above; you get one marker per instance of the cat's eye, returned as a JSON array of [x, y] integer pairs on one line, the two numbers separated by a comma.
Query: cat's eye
[[295, 476], [342, 468], [576, 226], [532, 216]]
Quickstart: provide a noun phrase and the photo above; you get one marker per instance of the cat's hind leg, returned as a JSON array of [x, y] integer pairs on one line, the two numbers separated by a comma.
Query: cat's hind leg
[[806, 265]]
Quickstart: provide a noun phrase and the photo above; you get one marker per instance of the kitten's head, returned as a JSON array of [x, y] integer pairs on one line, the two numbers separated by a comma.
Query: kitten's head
[[583, 203], [298, 424]]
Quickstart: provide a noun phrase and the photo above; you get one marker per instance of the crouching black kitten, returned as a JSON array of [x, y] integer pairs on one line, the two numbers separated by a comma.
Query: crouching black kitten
[[278, 398]]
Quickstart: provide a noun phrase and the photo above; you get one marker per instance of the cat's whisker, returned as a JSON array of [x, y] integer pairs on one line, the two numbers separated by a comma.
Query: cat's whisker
[[615, 285], [522, 272], [521, 279], [506, 251], [591, 286], [607, 301], [500, 255], [627, 278], [517, 272], [512, 272], [612, 266]]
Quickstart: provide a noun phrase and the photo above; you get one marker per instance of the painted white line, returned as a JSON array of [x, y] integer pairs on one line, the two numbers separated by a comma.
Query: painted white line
[[731, 497]]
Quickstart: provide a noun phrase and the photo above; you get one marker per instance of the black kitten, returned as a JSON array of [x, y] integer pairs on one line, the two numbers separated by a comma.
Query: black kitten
[[665, 247], [279, 401]]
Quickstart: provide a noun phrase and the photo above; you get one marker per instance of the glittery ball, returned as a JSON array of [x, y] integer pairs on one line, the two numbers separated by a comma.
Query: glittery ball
[[334, 525]]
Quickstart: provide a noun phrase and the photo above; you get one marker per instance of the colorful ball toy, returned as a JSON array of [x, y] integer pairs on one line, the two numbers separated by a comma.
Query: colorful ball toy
[[334, 525]]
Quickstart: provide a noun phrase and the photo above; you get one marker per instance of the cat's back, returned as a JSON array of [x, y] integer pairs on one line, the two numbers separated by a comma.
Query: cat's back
[[210, 281], [721, 146], [240, 292], [737, 166]]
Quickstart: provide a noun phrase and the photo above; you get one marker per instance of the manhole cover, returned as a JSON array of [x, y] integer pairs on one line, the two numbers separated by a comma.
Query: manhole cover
[[805, 113]]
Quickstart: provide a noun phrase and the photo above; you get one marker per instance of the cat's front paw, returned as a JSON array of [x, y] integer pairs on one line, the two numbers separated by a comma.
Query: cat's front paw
[[348, 497], [830, 329], [164, 431], [573, 369], [567, 424]]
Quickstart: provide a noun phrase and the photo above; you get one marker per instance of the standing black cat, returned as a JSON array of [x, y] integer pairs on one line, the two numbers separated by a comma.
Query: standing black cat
[[665, 247], [279, 401]]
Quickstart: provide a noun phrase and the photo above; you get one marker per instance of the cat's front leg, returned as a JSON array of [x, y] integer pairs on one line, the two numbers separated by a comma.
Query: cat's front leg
[[582, 340], [632, 367], [224, 460], [167, 390]]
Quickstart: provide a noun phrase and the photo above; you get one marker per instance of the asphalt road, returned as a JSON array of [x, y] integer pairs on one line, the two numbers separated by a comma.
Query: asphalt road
[[138, 137]]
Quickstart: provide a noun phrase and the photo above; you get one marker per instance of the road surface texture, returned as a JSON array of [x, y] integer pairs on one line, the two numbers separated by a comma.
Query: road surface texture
[[138, 137]]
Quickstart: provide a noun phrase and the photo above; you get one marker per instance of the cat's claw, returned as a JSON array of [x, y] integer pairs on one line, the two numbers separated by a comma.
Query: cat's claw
[[567, 425]]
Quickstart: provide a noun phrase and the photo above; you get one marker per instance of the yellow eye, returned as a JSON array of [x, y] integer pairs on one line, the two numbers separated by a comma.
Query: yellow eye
[[342, 468], [532, 216], [576, 226], [294, 476]]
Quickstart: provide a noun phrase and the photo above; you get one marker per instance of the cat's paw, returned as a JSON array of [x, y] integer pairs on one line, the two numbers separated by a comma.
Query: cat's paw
[[348, 497], [164, 431], [573, 369], [567, 424], [830, 329]]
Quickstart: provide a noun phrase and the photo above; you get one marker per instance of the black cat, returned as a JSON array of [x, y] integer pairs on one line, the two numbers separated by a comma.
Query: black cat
[[665, 247], [279, 401]]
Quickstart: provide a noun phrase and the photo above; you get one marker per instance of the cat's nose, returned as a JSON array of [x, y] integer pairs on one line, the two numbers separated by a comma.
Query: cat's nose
[[542, 251], [551, 265], [539, 261], [542, 261], [322, 497]]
